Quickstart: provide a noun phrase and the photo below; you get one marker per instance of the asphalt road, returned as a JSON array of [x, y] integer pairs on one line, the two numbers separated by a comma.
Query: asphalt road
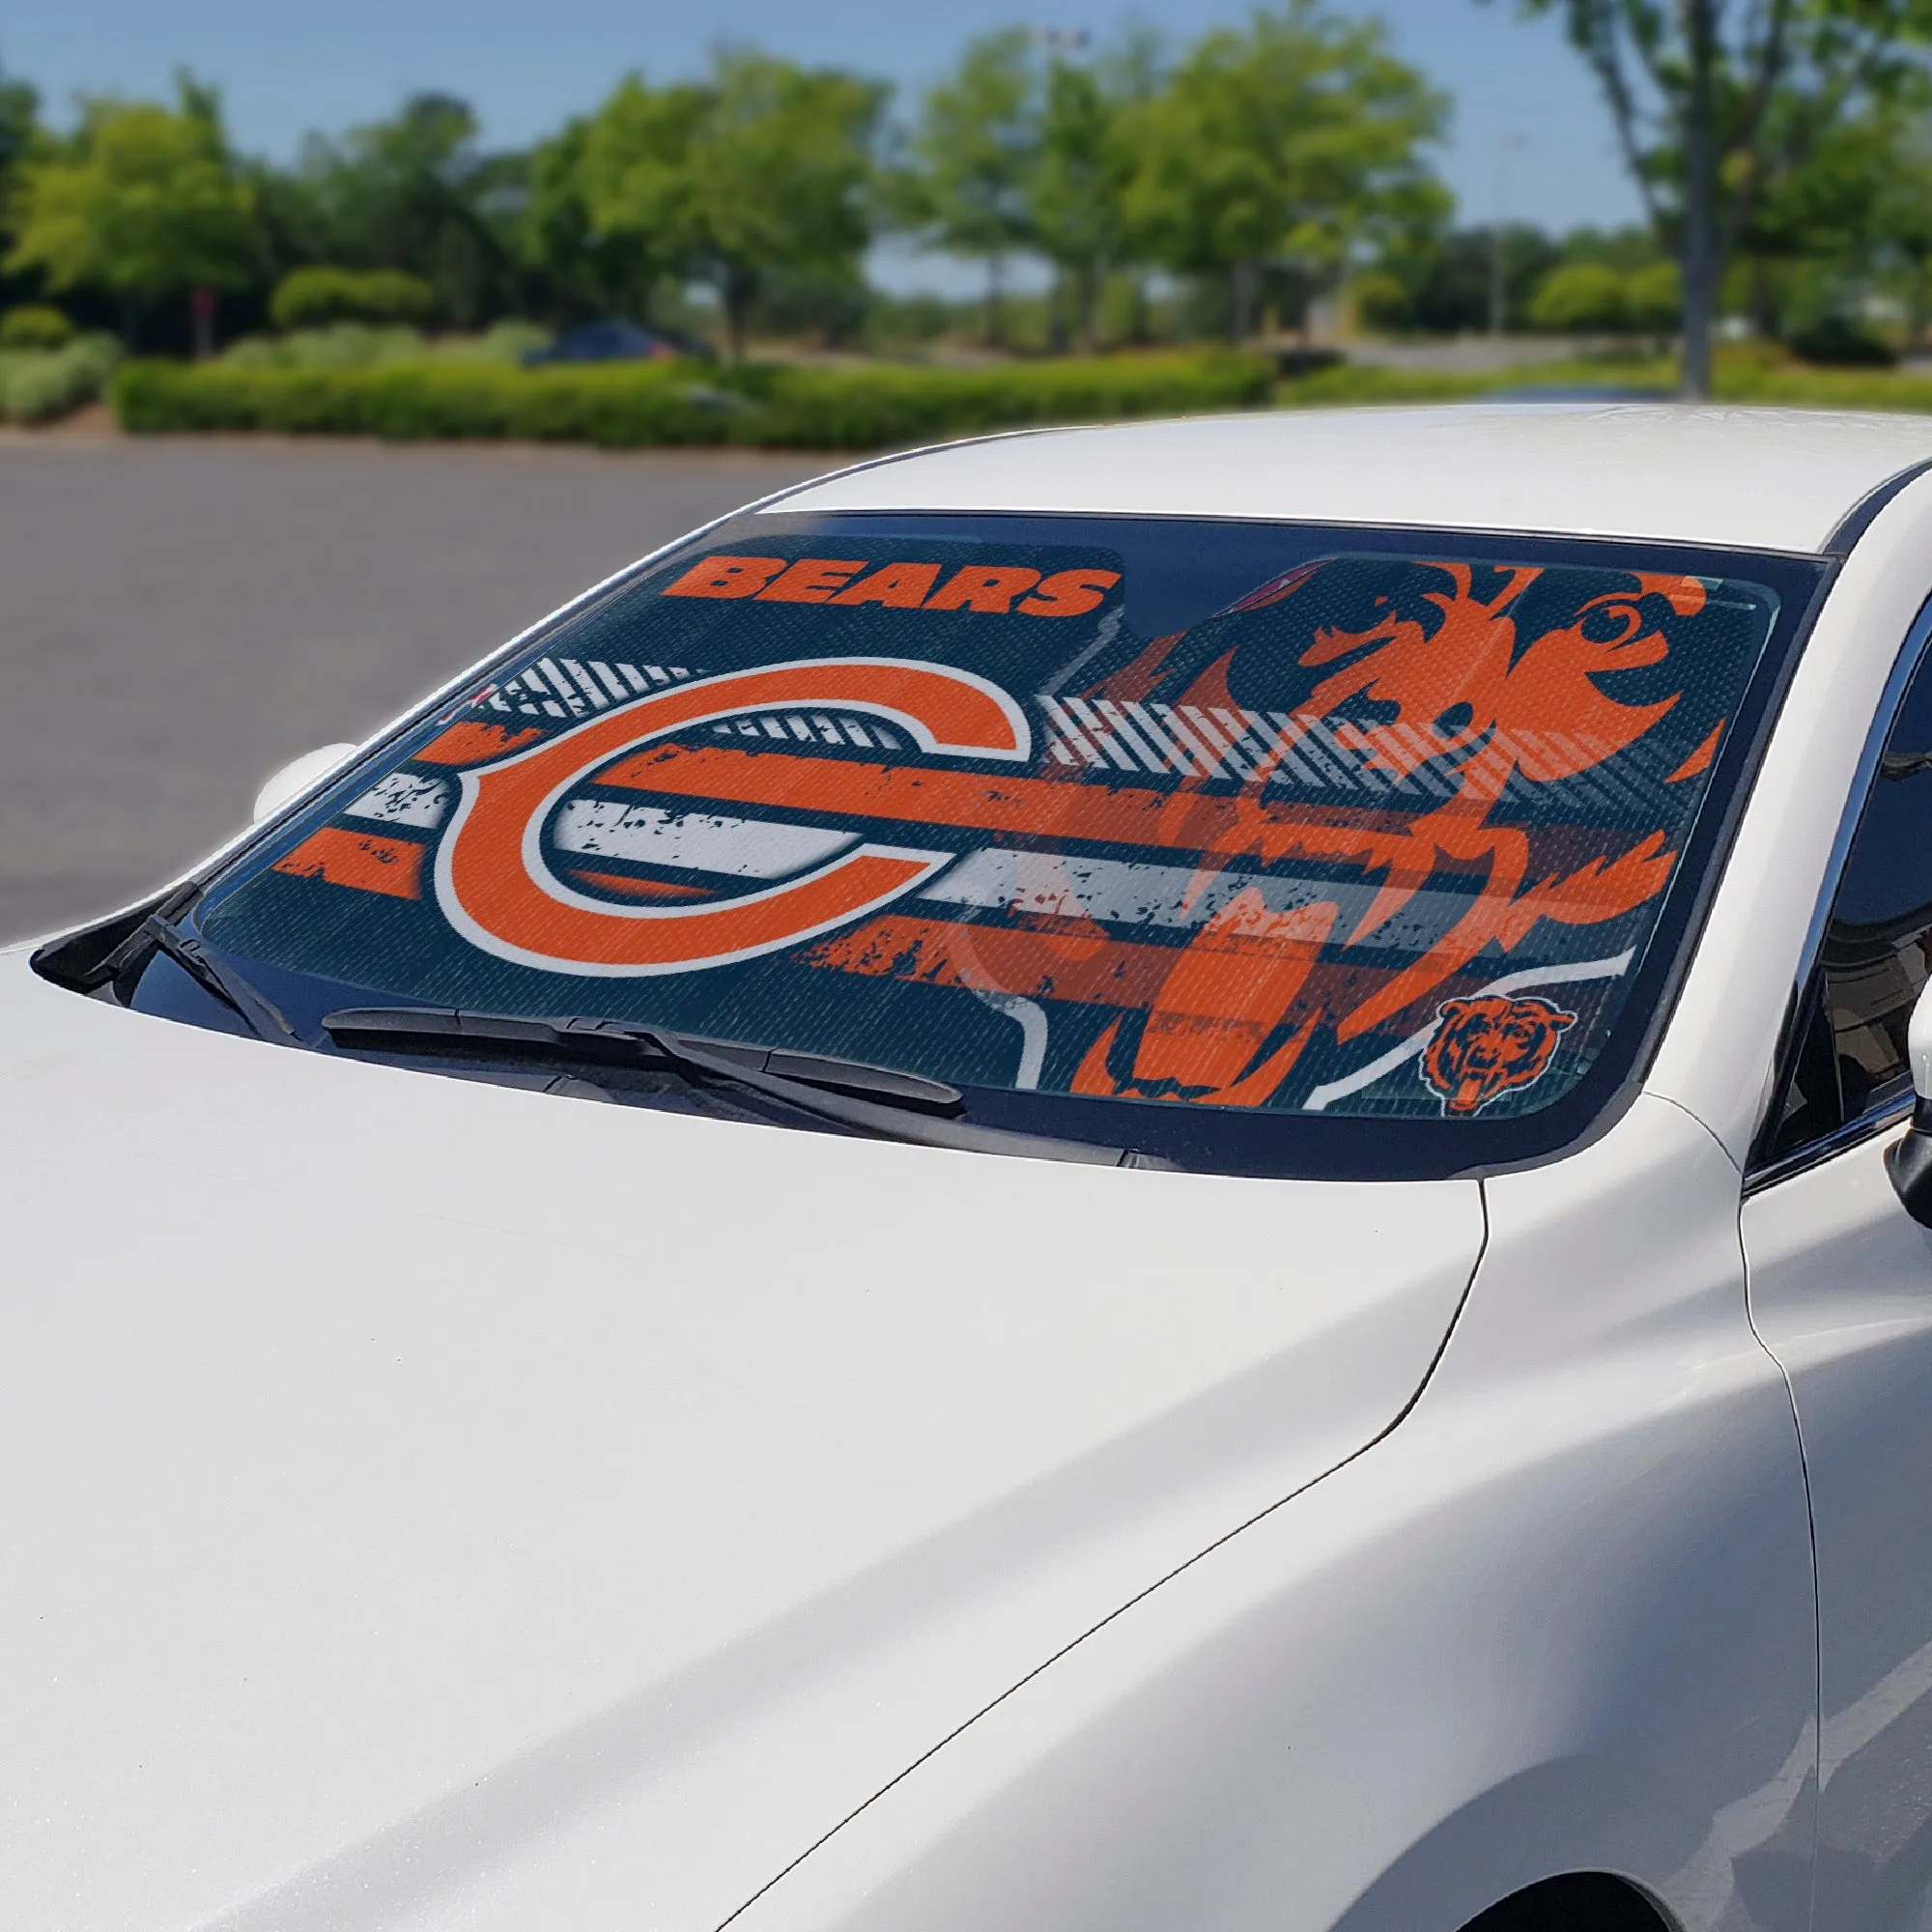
[[179, 618]]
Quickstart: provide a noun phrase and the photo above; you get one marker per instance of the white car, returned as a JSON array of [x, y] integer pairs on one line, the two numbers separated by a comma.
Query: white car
[[1122, 1181]]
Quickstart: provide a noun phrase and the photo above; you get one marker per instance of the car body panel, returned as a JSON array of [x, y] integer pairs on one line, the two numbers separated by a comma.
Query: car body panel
[[1769, 479], [1561, 1619], [433, 1482], [1841, 1292]]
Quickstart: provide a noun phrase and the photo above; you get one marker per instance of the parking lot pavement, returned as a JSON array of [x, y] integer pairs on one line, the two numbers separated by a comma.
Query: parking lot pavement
[[179, 618]]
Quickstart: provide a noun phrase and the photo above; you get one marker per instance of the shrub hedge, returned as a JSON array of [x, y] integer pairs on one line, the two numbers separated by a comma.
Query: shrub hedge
[[359, 345], [35, 325], [314, 298], [630, 405], [1745, 373], [793, 406], [39, 385]]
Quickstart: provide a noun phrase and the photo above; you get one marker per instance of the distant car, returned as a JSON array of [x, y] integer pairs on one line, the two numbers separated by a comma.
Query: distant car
[[1138, 1178], [618, 342]]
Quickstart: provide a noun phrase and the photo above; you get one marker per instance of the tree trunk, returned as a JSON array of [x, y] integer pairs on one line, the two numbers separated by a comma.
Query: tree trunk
[[996, 327], [1242, 300], [1701, 195], [739, 286]]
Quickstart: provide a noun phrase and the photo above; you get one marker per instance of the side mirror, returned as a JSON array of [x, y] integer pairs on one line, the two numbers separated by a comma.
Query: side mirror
[[1910, 1161], [294, 777]]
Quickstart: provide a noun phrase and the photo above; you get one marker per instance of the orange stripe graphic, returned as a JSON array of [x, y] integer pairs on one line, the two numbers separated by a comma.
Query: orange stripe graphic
[[472, 744], [631, 887], [391, 867], [1115, 814], [1088, 967]]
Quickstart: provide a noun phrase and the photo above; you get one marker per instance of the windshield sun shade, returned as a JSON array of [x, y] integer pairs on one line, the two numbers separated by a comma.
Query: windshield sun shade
[[1378, 830]]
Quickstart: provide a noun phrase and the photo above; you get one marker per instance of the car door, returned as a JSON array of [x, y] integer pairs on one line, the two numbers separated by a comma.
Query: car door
[[1841, 1292]]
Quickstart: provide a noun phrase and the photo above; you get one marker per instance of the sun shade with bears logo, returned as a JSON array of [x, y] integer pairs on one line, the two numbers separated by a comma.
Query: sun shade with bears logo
[[1371, 831]]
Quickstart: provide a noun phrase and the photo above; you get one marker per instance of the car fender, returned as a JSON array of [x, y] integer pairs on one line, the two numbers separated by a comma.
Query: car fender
[[1560, 1618]]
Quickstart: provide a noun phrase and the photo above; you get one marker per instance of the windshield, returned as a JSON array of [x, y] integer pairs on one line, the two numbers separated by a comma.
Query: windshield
[[1174, 833]]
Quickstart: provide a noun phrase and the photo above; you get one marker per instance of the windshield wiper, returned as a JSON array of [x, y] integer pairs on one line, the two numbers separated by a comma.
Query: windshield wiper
[[203, 966], [877, 1100]]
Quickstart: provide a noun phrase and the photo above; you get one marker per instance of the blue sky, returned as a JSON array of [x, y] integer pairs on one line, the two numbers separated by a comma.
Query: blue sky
[[285, 68]]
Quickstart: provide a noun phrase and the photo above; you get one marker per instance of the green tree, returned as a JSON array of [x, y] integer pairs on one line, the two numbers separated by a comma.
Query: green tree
[[1382, 300], [416, 192], [1899, 217], [630, 185], [1294, 138], [765, 168], [1811, 233], [19, 123], [143, 200], [20, 134], [1628, 248], [1714, 111], [1135, 74], [972, 155], [1580, 296], [1654, 297], [1595, 292], [581, 270], [780, 175], [1445, 276], [1855, 219], [1077, 192], [316, 297]]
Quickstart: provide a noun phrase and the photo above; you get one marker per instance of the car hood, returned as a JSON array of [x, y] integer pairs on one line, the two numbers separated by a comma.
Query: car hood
[[431, 1503]]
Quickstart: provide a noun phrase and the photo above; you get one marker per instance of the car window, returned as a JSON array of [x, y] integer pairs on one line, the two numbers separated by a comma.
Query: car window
[[1848, 1058], [1373, 829]]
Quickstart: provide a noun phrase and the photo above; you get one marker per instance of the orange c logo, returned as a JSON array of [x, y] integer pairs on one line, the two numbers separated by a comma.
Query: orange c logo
[[495, 890]]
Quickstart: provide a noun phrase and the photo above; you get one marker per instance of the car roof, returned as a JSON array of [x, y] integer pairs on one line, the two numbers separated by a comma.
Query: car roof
[[1770, 479]]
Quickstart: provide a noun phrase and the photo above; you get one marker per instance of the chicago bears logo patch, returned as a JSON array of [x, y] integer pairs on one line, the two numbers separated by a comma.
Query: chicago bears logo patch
[[1487, 1046], [496, 888]]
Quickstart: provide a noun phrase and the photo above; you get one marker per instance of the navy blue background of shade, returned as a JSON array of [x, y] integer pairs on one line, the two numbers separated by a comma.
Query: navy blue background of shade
[[948, 1034], [316, 947]]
